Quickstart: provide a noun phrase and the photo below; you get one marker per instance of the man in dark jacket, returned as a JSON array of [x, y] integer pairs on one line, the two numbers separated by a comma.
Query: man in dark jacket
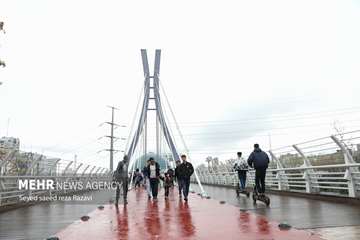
[[185, 171], [154, 172], [177, 176], [260, 161], [121, 177]]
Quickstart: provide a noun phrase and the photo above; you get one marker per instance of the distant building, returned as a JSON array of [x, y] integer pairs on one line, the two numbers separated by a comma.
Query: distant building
[[46, 165], [10, 143], [43, 165]]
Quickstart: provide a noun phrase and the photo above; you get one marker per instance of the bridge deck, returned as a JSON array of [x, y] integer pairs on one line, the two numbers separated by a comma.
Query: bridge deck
[[302, 213], [173, 219], [331, 220]]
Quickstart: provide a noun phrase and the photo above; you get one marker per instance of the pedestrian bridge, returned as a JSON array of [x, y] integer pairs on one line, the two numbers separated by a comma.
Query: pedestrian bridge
[[314, 189], [224, 215], [317, 201]]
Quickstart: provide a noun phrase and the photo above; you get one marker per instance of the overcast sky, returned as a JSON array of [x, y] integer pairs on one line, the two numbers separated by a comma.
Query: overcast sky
[[235, 72]]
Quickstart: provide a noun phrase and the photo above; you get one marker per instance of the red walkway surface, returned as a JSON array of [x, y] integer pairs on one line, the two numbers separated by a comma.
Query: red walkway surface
[[173, 219]]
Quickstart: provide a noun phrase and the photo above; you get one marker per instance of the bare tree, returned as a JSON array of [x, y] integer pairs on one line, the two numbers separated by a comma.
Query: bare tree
[[340, 130], [2, 63], [2, 27]]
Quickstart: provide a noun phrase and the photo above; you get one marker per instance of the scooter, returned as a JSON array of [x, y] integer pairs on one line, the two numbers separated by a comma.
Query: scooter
[[262, 198], [239, 191]]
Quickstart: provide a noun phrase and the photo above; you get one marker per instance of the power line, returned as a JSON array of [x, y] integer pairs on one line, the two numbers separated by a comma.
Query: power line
[[279, 117]]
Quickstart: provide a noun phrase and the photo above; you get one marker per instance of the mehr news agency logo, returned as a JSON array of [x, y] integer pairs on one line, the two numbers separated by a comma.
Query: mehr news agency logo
[[53, 185]]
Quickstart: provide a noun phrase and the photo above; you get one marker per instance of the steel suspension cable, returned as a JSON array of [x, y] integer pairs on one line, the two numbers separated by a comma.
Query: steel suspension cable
[[203, 193], [134, 119]]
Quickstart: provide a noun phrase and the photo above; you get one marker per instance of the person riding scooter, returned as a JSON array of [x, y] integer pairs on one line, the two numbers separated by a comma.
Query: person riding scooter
[[241, 167], [259, 160]]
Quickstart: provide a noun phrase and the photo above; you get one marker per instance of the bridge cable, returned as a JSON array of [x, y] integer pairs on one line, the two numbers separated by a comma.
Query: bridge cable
[[182, 139], [134, 119]]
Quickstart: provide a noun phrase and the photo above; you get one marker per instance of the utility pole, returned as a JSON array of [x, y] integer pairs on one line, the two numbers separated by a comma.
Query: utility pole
[[113, 138]]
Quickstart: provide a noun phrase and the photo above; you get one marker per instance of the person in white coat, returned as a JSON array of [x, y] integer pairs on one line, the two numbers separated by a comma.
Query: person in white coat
[[241, 166]]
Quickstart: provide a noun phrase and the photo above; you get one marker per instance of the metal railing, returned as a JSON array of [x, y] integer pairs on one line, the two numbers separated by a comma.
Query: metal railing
[[328, 166], [34, 166]]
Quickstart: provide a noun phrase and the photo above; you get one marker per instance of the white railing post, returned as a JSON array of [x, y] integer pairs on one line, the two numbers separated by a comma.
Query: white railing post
[[101, 172], [280, 175], [306, 176], [67, 167], [90, 173], [77, 169], [54, 166], [107, 173], [349, 170], [97, 170], [83, 172]]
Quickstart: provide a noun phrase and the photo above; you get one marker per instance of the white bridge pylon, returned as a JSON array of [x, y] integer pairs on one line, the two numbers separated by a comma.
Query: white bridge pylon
[[152, 94]]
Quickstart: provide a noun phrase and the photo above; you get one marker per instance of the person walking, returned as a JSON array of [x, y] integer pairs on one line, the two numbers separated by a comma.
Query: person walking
[[154, 173], [138, 178], [167, 183], [121, 177], [177, 177], [146, 174], [241, 166], [259, 160], [186, 169], [171, 173]]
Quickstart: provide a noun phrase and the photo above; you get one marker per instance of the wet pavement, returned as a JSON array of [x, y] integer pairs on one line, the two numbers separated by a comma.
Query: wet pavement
[[339, 233], [302, 213], [42, 220], [176, 220]]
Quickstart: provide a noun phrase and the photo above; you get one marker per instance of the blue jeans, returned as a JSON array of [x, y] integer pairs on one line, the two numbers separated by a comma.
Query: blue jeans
[[179, 185], [185, 185], [242, 179], [154, 185]]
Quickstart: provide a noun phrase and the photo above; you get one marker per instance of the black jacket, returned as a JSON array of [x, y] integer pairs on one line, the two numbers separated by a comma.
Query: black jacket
[[168, 182], [146, 172], [121, 171], [258, 159], [157, 167], [177, 172], [184, 170]]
